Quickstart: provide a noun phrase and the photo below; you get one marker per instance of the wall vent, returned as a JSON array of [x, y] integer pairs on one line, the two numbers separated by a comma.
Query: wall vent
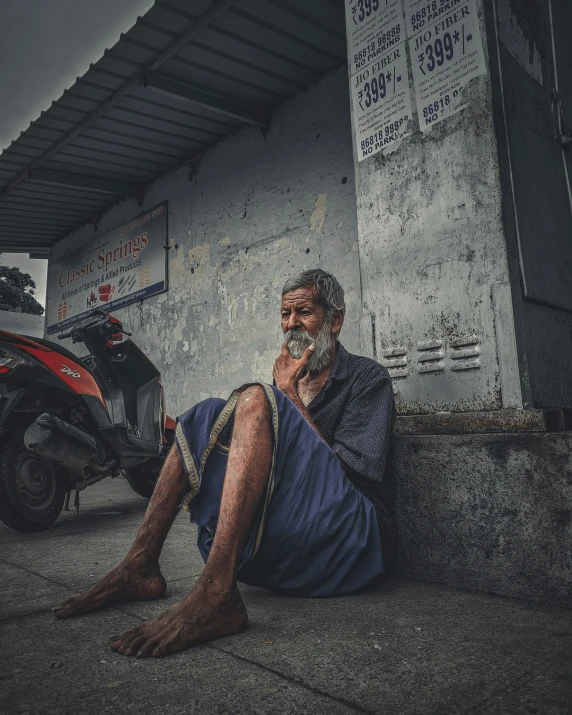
[[430, 357], [396, 361], [465, 353]]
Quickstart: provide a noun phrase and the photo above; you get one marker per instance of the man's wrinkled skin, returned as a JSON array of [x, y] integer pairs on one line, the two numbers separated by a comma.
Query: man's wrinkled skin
[[214, 607]]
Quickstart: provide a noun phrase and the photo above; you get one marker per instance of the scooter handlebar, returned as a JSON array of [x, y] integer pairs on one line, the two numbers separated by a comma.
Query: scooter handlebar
[[105, 327]]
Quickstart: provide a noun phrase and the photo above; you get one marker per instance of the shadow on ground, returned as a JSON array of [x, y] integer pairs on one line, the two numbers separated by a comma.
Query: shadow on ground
[[409, 647]]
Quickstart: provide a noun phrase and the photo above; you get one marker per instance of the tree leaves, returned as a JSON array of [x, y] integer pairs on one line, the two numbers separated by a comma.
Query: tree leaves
[[17, 292]]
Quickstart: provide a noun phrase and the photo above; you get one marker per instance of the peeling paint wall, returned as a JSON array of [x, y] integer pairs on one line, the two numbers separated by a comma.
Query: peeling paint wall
[[432, 248], [257, 210]]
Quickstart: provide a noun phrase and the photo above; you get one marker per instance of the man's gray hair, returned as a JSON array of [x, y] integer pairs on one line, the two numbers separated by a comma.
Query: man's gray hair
[[329, 292]]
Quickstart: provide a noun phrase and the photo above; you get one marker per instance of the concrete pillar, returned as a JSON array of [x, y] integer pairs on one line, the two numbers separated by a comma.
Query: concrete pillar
[[452, 302], [465, 247]]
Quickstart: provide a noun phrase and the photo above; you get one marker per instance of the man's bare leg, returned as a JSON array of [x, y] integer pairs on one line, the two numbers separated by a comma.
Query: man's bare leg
[[138, 577], [214, 607]]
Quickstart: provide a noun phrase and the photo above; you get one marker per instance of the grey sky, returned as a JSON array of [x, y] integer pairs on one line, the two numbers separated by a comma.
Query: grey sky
[[44, 46]]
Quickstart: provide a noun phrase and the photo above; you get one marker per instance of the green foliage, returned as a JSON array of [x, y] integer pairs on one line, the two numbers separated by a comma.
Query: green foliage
[[17, 292]]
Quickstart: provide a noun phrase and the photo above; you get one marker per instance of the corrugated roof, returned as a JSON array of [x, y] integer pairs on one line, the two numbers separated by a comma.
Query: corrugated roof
[[184, 76]]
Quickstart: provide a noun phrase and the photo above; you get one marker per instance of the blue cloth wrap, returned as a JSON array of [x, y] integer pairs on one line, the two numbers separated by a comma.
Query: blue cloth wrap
[[314, 533]]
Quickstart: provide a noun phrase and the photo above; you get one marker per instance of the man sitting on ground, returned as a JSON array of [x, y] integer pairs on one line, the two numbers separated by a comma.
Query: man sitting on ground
[[283, 481]]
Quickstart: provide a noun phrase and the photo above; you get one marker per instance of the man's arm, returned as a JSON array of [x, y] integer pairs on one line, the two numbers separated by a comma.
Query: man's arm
[[363, 435]]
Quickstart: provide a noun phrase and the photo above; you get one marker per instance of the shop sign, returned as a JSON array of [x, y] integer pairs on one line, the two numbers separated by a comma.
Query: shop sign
[[121, 267]]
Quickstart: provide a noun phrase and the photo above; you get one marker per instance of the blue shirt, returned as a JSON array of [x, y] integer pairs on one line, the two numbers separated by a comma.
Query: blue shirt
[[355, 413]]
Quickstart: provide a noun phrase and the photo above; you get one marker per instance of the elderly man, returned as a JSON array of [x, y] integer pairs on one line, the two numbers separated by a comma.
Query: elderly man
[[283, 481]]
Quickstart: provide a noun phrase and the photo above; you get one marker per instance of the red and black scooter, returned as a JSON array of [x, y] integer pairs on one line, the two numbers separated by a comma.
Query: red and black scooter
[[68, 422]]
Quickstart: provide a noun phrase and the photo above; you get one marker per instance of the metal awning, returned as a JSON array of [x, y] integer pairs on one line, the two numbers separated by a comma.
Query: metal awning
[[186, 75]]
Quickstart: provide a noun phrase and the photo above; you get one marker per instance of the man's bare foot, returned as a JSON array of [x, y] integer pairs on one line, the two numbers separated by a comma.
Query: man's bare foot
[[205, 614], [137, 578]]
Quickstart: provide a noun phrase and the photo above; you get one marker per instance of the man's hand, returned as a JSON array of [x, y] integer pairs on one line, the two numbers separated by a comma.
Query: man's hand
[[287, 371]]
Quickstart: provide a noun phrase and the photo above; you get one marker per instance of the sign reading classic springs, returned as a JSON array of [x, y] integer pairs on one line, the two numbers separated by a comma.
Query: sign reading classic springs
[[122, 266]]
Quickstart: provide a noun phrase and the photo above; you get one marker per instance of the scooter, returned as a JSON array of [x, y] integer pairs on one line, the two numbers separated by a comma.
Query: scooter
[[67, 422]]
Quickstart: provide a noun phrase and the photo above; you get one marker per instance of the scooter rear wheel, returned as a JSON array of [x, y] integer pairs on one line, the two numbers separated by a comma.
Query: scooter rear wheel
[[142, 481], [31, 492]]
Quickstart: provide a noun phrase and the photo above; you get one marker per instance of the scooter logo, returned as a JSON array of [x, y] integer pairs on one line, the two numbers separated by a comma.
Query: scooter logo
[[68, 371]]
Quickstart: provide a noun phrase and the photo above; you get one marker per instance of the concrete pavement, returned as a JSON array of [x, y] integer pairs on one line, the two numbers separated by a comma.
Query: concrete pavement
[[409, 647]]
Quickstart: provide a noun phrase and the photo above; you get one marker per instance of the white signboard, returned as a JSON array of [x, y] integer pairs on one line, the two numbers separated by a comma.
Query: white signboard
[[419, 14], [378, 74], [446, 54], [120, 267]]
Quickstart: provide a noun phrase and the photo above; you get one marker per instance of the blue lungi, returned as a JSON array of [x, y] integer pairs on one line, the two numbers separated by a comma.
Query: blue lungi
[[314, 533]]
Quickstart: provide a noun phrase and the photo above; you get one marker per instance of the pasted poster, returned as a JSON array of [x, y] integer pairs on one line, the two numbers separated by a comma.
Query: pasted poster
[[446, 54], [122, 266], [379, 81]]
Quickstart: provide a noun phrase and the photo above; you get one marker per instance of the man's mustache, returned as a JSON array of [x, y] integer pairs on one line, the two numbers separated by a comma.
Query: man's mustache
[[297, 341], [298, 335]]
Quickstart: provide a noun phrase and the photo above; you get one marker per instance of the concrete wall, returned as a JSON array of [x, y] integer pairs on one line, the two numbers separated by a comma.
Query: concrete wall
[[24, 323], [432, 249], [488, 512], [258, 209]]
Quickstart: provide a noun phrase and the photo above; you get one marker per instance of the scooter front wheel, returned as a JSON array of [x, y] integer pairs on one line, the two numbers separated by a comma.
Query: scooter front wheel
[[31, 492]]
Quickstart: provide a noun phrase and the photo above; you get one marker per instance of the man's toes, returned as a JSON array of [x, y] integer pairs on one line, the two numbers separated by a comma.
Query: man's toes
[[71, 607], [63, 604], [122, 643], [148, 647], [135, 645], [171, 645]]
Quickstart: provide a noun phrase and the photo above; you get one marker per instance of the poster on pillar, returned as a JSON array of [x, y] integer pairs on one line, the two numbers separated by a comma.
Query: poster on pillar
[[379, 81], [120, 267], [446, 54]]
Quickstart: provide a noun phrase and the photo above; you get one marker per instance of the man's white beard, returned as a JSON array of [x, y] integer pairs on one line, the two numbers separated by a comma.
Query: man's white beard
[[298, 340]]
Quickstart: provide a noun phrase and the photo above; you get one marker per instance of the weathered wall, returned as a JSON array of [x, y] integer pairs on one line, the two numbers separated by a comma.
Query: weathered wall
[[258, 209], [489, 512], [432, 248]]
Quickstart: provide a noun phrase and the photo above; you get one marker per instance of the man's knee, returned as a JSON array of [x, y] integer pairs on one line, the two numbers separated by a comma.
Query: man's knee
[[253, 401]]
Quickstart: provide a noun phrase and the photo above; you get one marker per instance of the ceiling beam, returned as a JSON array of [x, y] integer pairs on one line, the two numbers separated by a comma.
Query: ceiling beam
[[21, 221], [19, 244], [205, 100], [17, 235], [192, 31], [100, 186]]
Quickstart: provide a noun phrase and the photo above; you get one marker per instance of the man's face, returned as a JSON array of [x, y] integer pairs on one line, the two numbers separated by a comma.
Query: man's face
[[304, 323], [301, 311]]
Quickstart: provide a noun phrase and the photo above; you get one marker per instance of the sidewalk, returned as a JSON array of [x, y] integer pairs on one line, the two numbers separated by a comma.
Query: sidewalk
[[410, 648]]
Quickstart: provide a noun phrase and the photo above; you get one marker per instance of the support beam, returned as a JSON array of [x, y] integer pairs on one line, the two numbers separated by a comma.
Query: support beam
[[192, 31], [100, 186], [205, 100], [15, 245], [19, 242], [33, 220], [56, 232], [10, 226]]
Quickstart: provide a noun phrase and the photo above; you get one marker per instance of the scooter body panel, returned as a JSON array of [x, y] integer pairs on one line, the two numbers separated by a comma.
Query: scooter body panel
[[73, 374]]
